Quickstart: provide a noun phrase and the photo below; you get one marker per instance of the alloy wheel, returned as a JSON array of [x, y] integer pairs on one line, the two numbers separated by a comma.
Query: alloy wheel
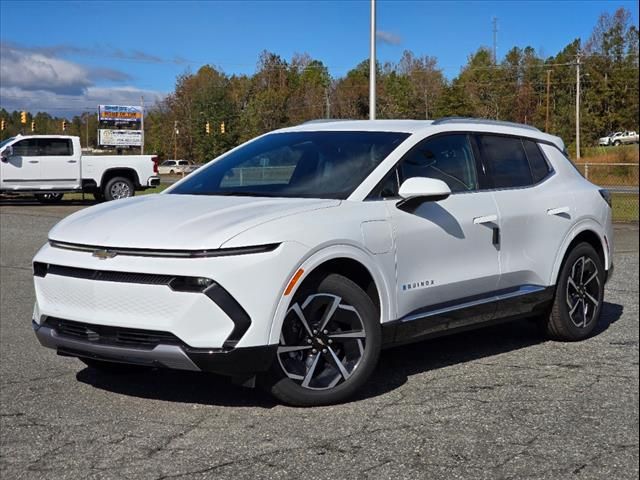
[[120, 190], [583, 292], [322, 342]]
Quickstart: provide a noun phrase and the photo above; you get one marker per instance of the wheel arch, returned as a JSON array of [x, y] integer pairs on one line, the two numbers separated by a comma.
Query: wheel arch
[[346, 260], [127, 172], [586, 231]]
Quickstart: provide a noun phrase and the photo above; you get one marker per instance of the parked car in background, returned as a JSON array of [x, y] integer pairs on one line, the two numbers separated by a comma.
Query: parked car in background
[[174, 167], [48, 166], [619, 138], [356, 235]]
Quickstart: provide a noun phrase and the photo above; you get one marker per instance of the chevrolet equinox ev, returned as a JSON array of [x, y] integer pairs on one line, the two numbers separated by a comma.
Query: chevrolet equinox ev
[[293, 259]]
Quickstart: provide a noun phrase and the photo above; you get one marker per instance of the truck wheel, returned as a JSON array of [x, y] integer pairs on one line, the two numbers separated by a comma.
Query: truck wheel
[[49, 197], [616, 143], [118, 187]]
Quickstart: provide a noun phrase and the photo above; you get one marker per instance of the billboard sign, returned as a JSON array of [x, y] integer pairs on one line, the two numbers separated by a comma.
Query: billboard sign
[[120, 113], [120, 138]]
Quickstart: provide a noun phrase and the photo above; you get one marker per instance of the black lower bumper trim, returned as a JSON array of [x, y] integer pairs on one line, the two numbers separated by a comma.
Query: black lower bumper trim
[[234, 362], [238, 361]]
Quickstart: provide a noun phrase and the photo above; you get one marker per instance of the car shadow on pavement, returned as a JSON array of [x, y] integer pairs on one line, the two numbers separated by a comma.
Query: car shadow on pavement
[[395, 367]]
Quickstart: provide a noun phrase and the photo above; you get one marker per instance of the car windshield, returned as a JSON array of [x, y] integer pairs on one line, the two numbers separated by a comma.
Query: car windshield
[[295, 164], [4, 142]]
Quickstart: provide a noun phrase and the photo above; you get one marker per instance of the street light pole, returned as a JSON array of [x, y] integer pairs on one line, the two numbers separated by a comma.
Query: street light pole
[[578, 105], [372, 64]]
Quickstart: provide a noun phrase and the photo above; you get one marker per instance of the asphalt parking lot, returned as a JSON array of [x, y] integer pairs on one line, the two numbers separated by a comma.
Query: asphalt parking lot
[[497, 403]]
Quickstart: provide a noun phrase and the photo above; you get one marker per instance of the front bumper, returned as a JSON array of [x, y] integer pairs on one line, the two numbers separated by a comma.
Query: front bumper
[[233, 362]]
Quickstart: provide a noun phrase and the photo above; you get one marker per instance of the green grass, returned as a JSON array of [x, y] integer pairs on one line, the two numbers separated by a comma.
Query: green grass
[[625, 207], [88, 196]]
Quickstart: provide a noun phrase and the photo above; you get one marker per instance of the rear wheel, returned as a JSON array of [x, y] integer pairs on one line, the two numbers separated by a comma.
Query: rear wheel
[[329, 344], [616, 143], [579, 296], [118, 187], [49, 197]]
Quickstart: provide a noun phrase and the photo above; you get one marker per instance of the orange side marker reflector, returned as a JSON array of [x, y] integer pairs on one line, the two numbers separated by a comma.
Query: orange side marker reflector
[[293, 281]]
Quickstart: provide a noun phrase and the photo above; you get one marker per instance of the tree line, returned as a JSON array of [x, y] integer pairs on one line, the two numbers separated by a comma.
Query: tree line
[[523, 87]]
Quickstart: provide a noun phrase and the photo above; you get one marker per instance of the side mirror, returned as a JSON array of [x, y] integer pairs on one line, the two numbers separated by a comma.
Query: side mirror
[[417, 190], [6, 153]]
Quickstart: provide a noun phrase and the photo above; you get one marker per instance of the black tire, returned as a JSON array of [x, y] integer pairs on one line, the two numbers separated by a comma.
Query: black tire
[[171, 172], [99, 197], [112, 367], [352, 313], [577, 287], [118, 187], [49, 197], [616, 143]]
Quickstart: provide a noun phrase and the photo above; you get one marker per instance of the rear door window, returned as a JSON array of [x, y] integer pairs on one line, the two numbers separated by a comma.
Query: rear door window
[[55, 147], [507, 161]]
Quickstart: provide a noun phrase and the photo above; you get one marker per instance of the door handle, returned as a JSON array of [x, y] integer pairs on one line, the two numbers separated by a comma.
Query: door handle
[[34, 161], [558, 211], [485, 219], [72, 161]]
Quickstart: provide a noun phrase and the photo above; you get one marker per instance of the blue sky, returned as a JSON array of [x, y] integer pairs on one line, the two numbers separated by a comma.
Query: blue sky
[[71, 55]]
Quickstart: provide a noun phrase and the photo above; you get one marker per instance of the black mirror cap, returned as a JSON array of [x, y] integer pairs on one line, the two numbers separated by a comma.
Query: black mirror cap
[[411, 204]]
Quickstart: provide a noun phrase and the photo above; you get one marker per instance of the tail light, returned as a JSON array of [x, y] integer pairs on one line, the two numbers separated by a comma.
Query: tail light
[[155, 164]]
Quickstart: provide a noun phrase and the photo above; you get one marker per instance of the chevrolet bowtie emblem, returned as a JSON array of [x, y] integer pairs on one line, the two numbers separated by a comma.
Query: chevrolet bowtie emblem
[[104, 254]]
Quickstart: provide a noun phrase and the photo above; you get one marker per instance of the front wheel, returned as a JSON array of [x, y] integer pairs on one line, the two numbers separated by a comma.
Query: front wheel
[[616, 143], [579, 296], [49, 197], [118, 187], [329, 344]]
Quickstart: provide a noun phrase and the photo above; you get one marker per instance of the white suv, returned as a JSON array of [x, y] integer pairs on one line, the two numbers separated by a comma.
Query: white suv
[[294, 258]]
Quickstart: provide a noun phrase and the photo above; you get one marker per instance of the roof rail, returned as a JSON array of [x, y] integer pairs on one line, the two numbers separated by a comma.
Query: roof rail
[[482, 121], [326, 120]]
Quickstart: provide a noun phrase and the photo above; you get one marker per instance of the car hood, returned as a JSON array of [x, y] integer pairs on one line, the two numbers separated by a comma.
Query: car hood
[[170, 221]]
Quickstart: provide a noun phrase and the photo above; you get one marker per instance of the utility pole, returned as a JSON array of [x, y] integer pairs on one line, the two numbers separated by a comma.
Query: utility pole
[[546, 122], [578, 55], [327, 103], [87, 128], [175, 140], [142, 125], [372, 64], [495, 40]]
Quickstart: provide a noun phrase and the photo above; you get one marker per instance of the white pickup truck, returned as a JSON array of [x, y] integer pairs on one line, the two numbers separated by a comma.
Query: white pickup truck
[[618, 138], [49, 166]]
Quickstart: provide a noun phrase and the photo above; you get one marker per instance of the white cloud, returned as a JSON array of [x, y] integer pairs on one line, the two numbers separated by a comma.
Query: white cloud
[[14, 98], [34, 71], [39, 81], [388, 37]]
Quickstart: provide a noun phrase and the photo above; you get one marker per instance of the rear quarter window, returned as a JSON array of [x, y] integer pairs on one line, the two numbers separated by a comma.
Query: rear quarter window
[[539, 166]]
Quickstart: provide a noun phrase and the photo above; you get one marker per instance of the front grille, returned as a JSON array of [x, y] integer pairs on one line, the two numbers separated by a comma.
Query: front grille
[[115, 336], [41, 270]]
